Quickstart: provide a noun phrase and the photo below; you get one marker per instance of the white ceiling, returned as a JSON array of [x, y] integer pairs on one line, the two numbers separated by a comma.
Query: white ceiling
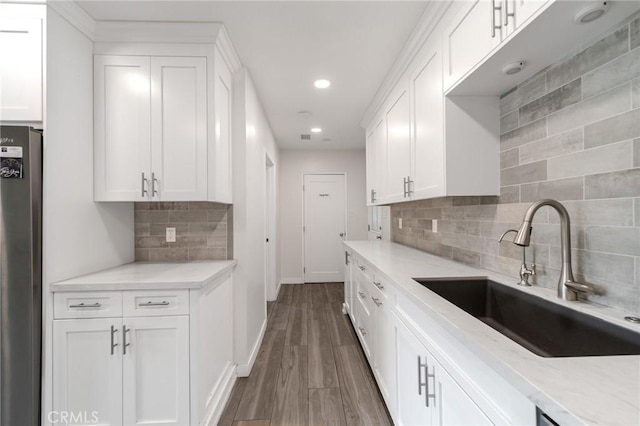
[[286, 45]]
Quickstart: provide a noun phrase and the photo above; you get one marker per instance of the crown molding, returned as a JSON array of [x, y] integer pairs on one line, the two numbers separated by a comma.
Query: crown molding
[[157, 32], [75, 15], [227, 50], [427, 23]]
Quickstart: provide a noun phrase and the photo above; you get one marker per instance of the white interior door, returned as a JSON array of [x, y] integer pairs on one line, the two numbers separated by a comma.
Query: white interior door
[[324, 227], [270, 231]]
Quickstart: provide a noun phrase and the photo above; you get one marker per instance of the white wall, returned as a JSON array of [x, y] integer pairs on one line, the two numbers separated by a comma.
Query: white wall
[[252, 140], [80, 236], [293, 164]]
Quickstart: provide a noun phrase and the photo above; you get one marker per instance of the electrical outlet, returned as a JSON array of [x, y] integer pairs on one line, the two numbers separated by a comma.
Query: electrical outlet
[[434, 226], [399, 223], [171, 235]]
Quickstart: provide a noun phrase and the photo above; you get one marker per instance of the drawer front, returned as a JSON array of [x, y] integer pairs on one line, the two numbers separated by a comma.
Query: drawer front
[[365, 269], [87, 304], [155, 303]]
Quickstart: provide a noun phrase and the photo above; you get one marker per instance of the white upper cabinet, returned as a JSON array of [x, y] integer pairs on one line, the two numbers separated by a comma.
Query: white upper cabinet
[[150, 128], [376, 150], [122, 128], [398, 147], [220, 155], [427, 168], [178, 129], [21, 30], [518, 12]]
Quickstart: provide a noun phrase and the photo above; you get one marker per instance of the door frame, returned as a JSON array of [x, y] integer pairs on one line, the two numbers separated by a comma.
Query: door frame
[[272, 287], [304, 216]]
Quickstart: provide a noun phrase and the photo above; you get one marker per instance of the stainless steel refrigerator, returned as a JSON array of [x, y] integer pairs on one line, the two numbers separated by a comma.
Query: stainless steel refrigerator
[[20, 275]]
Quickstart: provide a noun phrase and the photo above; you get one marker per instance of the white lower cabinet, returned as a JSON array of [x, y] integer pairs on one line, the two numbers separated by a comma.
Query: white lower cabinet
[[87, 371], [427, 395], [155, 373]]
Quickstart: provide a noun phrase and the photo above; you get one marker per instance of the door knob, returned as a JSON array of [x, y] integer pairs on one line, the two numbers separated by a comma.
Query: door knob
[[342, 234]]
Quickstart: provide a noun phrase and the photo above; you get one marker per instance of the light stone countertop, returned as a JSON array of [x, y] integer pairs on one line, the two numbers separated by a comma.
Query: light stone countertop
[[572, 390], [149, 276]]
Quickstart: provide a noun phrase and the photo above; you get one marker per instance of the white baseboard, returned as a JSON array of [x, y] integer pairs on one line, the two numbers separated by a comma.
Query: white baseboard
[[220, 396], [243, 370], [294, 280]]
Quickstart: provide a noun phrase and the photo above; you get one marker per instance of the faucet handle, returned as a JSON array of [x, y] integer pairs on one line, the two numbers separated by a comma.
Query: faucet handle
[[580, 287], [506, 232]]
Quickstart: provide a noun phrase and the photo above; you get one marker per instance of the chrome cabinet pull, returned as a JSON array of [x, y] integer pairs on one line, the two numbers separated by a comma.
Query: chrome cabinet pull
[[114, 330], [404, 187], [508, 14], [143, 185], [373, 196], [362, 295], [409, 182], [362, 330], [83, 305], [427, 394], [154, 180], [376, 301], [362, 268], [379, 285], [346, 257], [420, 384], [125, 330], [495, 8], [150, 303]]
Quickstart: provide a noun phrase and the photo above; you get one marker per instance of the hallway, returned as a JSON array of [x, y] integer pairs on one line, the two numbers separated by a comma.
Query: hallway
[[310, 369]]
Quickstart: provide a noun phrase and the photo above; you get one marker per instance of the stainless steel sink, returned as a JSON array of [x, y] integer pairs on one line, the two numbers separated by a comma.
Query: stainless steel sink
[[545, 328]]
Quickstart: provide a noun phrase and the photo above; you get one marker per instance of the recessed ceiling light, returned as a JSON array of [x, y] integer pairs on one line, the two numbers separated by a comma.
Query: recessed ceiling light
[[513, 67], [304, 114], [591, 12], [322, 84], [316, 130]]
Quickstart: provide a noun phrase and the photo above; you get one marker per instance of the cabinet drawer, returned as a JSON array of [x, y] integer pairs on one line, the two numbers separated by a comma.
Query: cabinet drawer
[[95, 304], [155, 302]]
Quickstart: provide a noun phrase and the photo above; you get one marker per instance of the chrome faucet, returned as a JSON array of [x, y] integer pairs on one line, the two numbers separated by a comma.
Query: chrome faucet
[[525, 271], [568, 287]]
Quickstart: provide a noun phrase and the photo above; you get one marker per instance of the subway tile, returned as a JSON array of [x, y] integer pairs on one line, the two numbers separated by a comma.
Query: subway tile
[[636, 209], [465, 201], [489, 199], [607, 104], [637, 278], [634, 34], [187, 216], [502, 265], [168, 254], [509, 158], [624, 296], [141, 229], [524, 134], [433, 213], [466, 256], [141, 255], [509, 194], [531, 172], [635, 93], [206, 205], [549, 234], [610, 239], [612, 74], [471, 242], [190, 241], [151, 216], [140, 206], [545, 277], [508, 122], [509, 101], [607, 158], [553, 146], [532, 88], [217, 242], [514, 213], [561, 189], [613, 129], [554, 101], [614, 212], [434, 248], [596, 265], [150, 242], [207, 227], [536, 253], [214, 215], [608, 48], [621, 184], [207, 254], [168, 205], [494, 230]]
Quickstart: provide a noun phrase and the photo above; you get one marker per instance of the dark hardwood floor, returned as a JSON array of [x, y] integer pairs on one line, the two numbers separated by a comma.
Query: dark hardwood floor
[[310, 369]]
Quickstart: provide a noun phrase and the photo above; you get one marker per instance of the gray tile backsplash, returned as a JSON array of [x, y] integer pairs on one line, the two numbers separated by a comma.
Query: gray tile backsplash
[[203, 231], [572, 133]]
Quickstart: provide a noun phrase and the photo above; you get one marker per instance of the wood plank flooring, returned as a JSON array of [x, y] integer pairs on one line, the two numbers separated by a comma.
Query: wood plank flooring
[[310, 369]]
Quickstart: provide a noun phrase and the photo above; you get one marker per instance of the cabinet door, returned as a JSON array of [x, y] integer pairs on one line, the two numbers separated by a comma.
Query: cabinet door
[[371, 168], [398, 148], [470, 38], [122, 120], [20, 68], [427, 127], [87, 370], [156, 371], [220, 155], [452, 406], [179, 129], [385, 352], [411, 356], [522, 10], [348, 284]]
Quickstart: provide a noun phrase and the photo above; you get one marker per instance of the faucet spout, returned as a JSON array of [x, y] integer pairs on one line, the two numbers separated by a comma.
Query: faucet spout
[[567, 288]]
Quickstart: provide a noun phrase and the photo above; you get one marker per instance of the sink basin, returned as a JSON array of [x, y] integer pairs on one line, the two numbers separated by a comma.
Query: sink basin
[[545, 328]]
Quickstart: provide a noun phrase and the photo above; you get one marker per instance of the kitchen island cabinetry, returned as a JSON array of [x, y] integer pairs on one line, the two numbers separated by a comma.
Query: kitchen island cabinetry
[[127, 353]]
